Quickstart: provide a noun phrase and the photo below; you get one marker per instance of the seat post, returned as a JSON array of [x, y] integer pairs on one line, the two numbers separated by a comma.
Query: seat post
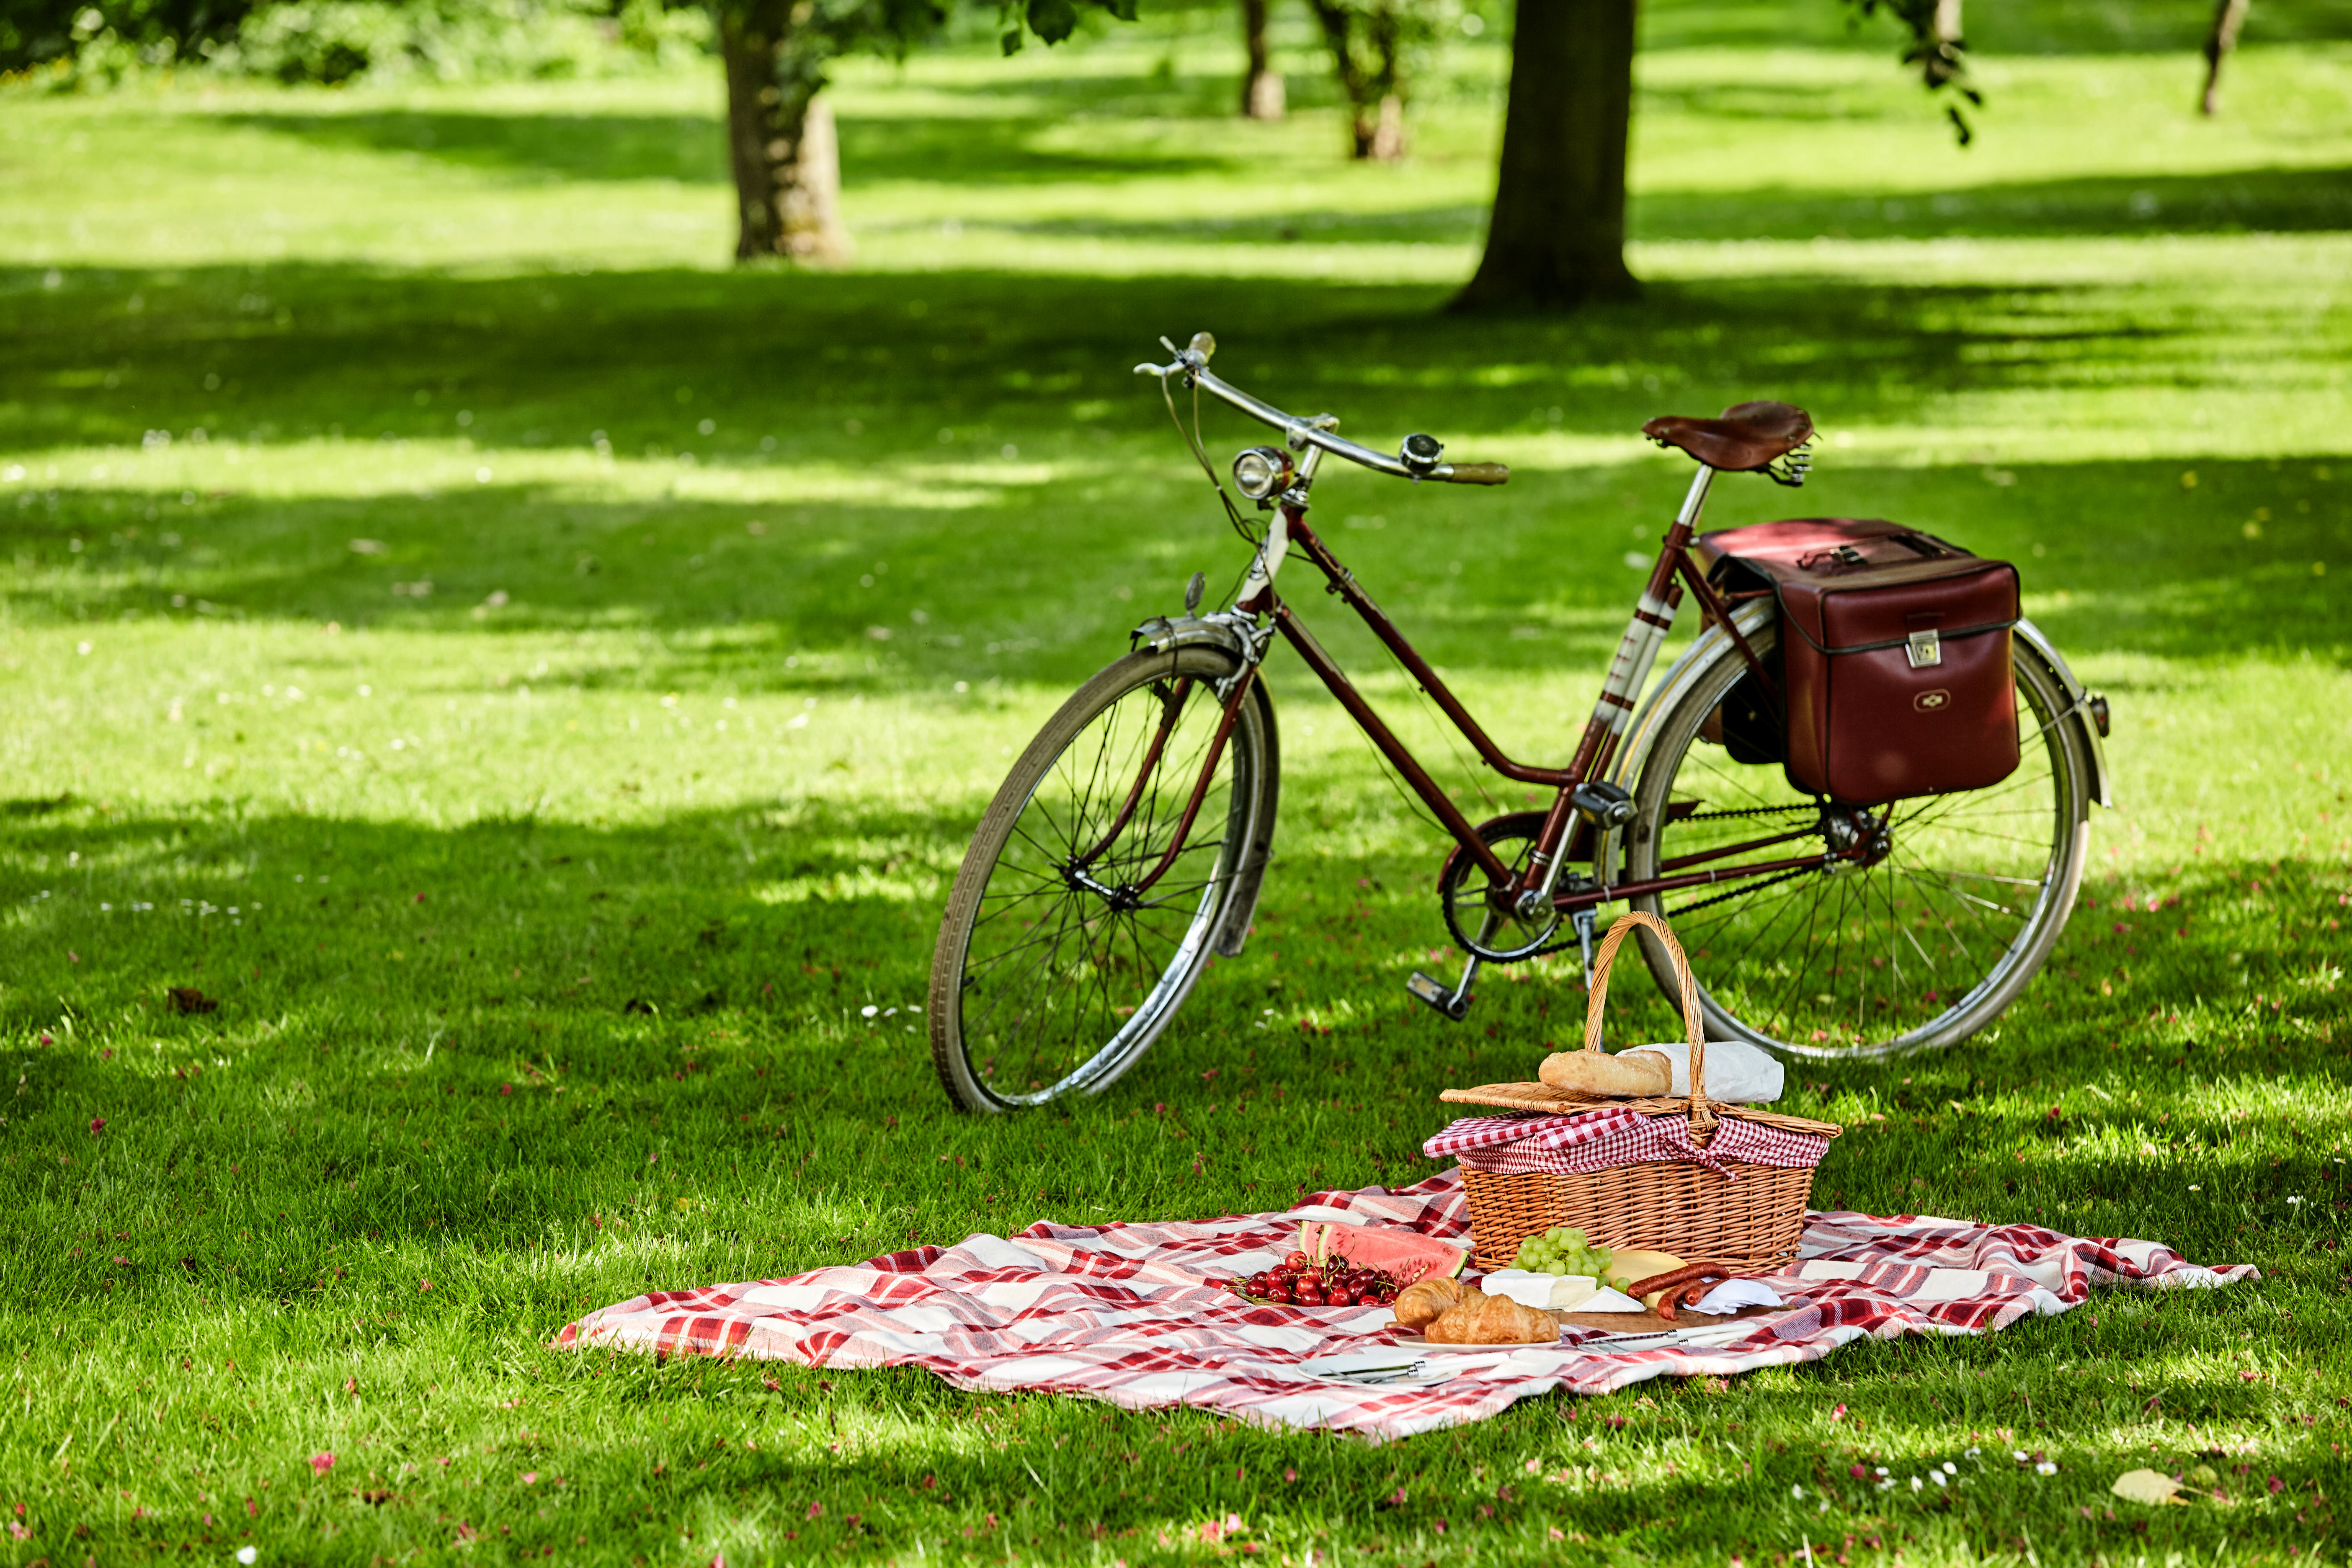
[[1694, 502]]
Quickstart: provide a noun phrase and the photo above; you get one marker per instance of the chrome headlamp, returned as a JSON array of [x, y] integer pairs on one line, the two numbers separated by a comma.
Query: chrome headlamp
[[1262, 472]]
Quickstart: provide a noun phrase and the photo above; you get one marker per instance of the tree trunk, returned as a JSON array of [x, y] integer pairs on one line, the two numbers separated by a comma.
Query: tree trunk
[[2228, 15], [1354, 86], [1944, 41], [1558, 235], [779, 139], [1262, 94]]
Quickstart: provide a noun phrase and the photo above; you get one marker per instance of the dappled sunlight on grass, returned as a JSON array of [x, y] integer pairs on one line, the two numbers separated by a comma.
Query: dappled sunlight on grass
[[538, 717]]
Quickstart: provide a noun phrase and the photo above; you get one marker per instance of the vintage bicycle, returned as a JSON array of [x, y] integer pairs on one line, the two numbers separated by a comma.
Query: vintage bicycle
[[1132, 839]]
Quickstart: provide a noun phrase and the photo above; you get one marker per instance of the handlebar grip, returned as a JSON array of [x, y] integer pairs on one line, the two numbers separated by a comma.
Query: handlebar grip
[[1479, 474]]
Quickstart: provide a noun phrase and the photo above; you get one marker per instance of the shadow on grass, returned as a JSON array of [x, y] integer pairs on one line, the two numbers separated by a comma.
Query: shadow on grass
[[964, 597], [846, 384], [691, 150], [570, 1018]]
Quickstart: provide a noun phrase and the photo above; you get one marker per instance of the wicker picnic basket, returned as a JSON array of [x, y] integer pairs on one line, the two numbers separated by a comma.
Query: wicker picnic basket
[[1674, 1206]]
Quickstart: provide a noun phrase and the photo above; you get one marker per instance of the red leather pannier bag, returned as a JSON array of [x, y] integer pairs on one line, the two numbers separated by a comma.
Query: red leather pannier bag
[[1895, 654]]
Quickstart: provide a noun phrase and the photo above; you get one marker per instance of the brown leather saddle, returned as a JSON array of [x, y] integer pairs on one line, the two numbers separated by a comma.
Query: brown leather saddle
[[1748, 436]]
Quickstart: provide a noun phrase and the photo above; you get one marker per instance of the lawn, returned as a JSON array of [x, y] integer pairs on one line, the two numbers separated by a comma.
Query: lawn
[[536, 683]]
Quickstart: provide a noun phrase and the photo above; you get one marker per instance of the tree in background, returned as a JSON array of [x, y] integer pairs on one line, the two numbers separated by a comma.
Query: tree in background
[[2228, 15], [1262, 94], [781, 145], [1375, 48], [1557, 238]]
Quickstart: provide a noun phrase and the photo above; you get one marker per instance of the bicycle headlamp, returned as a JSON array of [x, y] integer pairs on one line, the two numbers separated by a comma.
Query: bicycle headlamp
[[1262, 471]]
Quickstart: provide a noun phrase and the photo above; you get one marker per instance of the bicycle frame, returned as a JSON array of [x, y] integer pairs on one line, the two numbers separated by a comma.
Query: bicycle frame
[[1564, 834]]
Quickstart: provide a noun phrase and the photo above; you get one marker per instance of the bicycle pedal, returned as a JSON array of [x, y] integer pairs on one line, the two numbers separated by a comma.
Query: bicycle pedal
[[1435, 993]]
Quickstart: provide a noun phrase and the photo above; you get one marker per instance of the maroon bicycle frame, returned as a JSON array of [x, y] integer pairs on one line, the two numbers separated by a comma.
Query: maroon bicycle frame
[[1562, 830]]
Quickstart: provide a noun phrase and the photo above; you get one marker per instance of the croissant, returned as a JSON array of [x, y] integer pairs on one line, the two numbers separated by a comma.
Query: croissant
[[1420, 1303], [1481, 1320], [1634, 1074]]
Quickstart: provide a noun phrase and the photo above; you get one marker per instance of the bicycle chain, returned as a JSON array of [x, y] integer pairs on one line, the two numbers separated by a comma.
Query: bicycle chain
[[1743, 811], [1569, 941], [1741, 892]]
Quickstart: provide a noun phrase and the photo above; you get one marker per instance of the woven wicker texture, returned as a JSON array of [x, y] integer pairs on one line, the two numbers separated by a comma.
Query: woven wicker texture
[[1668, 1206]]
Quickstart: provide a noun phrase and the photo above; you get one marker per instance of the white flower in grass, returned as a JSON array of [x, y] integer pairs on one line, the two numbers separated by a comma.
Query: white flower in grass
[[868, 1010], [1882, 1469], [246, 1554], [1938, 1476], [1952, 1469], [2294, 1200], [2018, 1454], [1972, 1454], [1917, 1484], [1796, 1491], [2196, 1189], [2045, 1469]]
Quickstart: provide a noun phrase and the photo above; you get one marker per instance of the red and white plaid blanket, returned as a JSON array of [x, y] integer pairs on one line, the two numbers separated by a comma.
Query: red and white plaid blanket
[[1126, 1313]]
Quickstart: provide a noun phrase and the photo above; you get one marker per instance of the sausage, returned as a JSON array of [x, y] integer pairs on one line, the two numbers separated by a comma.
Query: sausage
[[1688, 1273]]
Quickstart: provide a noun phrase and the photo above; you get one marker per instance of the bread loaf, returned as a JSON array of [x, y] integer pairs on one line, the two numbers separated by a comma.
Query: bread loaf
[[1634, 1075]]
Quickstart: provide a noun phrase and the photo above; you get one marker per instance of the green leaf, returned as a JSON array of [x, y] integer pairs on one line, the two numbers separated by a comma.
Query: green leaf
[[1053, 20]]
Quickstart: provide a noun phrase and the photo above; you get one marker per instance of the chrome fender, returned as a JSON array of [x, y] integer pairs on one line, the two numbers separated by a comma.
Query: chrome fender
[[1709, 646], [1625, 768], [2078, 707], [1164, 633]]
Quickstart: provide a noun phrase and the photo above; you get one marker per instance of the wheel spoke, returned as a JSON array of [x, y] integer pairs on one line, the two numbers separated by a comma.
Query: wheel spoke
[[1958, 906], [1065, 992]]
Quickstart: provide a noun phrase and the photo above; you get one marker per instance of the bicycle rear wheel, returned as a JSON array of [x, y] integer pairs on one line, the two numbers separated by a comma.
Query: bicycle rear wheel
[[1921, 945], [1046, 979]]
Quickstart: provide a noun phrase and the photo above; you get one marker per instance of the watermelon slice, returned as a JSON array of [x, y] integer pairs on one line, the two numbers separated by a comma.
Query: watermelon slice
[[1404, 1256]]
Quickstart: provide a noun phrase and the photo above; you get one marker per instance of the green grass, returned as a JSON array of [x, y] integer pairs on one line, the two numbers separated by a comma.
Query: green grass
[[540, 908]]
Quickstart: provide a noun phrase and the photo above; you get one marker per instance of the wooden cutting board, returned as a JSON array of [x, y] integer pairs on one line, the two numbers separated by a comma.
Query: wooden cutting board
[[1648, 1322]]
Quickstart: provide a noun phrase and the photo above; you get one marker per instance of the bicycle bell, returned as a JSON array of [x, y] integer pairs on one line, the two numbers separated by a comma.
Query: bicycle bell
[[1261, 472], [1419, 453]]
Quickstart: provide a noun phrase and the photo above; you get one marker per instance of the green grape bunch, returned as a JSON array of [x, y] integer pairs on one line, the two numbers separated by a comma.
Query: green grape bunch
[[1562, 1250]]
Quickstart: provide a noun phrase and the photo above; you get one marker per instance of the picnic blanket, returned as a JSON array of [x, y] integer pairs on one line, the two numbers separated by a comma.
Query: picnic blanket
[[1126, 1313]]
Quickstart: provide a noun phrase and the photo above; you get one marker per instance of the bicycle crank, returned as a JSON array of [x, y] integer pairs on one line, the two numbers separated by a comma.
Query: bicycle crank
[[1482, 915]]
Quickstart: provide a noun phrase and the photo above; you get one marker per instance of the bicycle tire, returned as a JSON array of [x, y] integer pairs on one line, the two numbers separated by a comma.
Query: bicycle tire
[[1077, 1011], [1972, 855]]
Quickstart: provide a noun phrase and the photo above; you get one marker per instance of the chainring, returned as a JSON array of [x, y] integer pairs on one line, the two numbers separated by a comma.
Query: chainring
[[1462, 886]]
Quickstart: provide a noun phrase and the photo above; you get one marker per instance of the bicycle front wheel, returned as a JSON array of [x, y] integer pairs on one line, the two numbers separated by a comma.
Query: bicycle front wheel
[[1919, 945], [1053, 976]]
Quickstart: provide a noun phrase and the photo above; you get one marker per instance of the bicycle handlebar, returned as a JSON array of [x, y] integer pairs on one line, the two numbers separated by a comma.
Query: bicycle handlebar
[[1194, 364]]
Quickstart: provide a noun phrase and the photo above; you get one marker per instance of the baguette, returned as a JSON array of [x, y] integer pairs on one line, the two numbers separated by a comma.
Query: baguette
[[1634, 1075]]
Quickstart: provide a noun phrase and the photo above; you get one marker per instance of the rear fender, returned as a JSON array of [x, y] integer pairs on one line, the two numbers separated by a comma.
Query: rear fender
[[2037, 645]]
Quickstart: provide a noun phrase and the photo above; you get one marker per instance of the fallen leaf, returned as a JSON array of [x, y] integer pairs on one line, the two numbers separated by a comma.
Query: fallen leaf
[[188, 999], [2150, 1487]]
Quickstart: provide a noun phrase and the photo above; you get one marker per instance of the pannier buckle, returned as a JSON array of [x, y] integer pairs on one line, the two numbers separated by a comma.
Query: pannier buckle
[[1922, 648]]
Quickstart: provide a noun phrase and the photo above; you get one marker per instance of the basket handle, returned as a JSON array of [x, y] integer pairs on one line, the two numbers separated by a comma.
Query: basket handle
[[1598, 997]]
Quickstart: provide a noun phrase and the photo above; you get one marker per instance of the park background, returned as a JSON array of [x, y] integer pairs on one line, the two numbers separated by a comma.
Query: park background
[[535, 679]]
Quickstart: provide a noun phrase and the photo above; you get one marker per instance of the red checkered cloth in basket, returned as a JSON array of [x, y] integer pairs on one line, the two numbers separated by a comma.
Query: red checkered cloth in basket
[[1542, 1132], [1635, 1139], [1126, 1313]]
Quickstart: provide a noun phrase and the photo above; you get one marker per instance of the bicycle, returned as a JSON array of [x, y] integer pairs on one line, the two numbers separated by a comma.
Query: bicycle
[[1130, 840]]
